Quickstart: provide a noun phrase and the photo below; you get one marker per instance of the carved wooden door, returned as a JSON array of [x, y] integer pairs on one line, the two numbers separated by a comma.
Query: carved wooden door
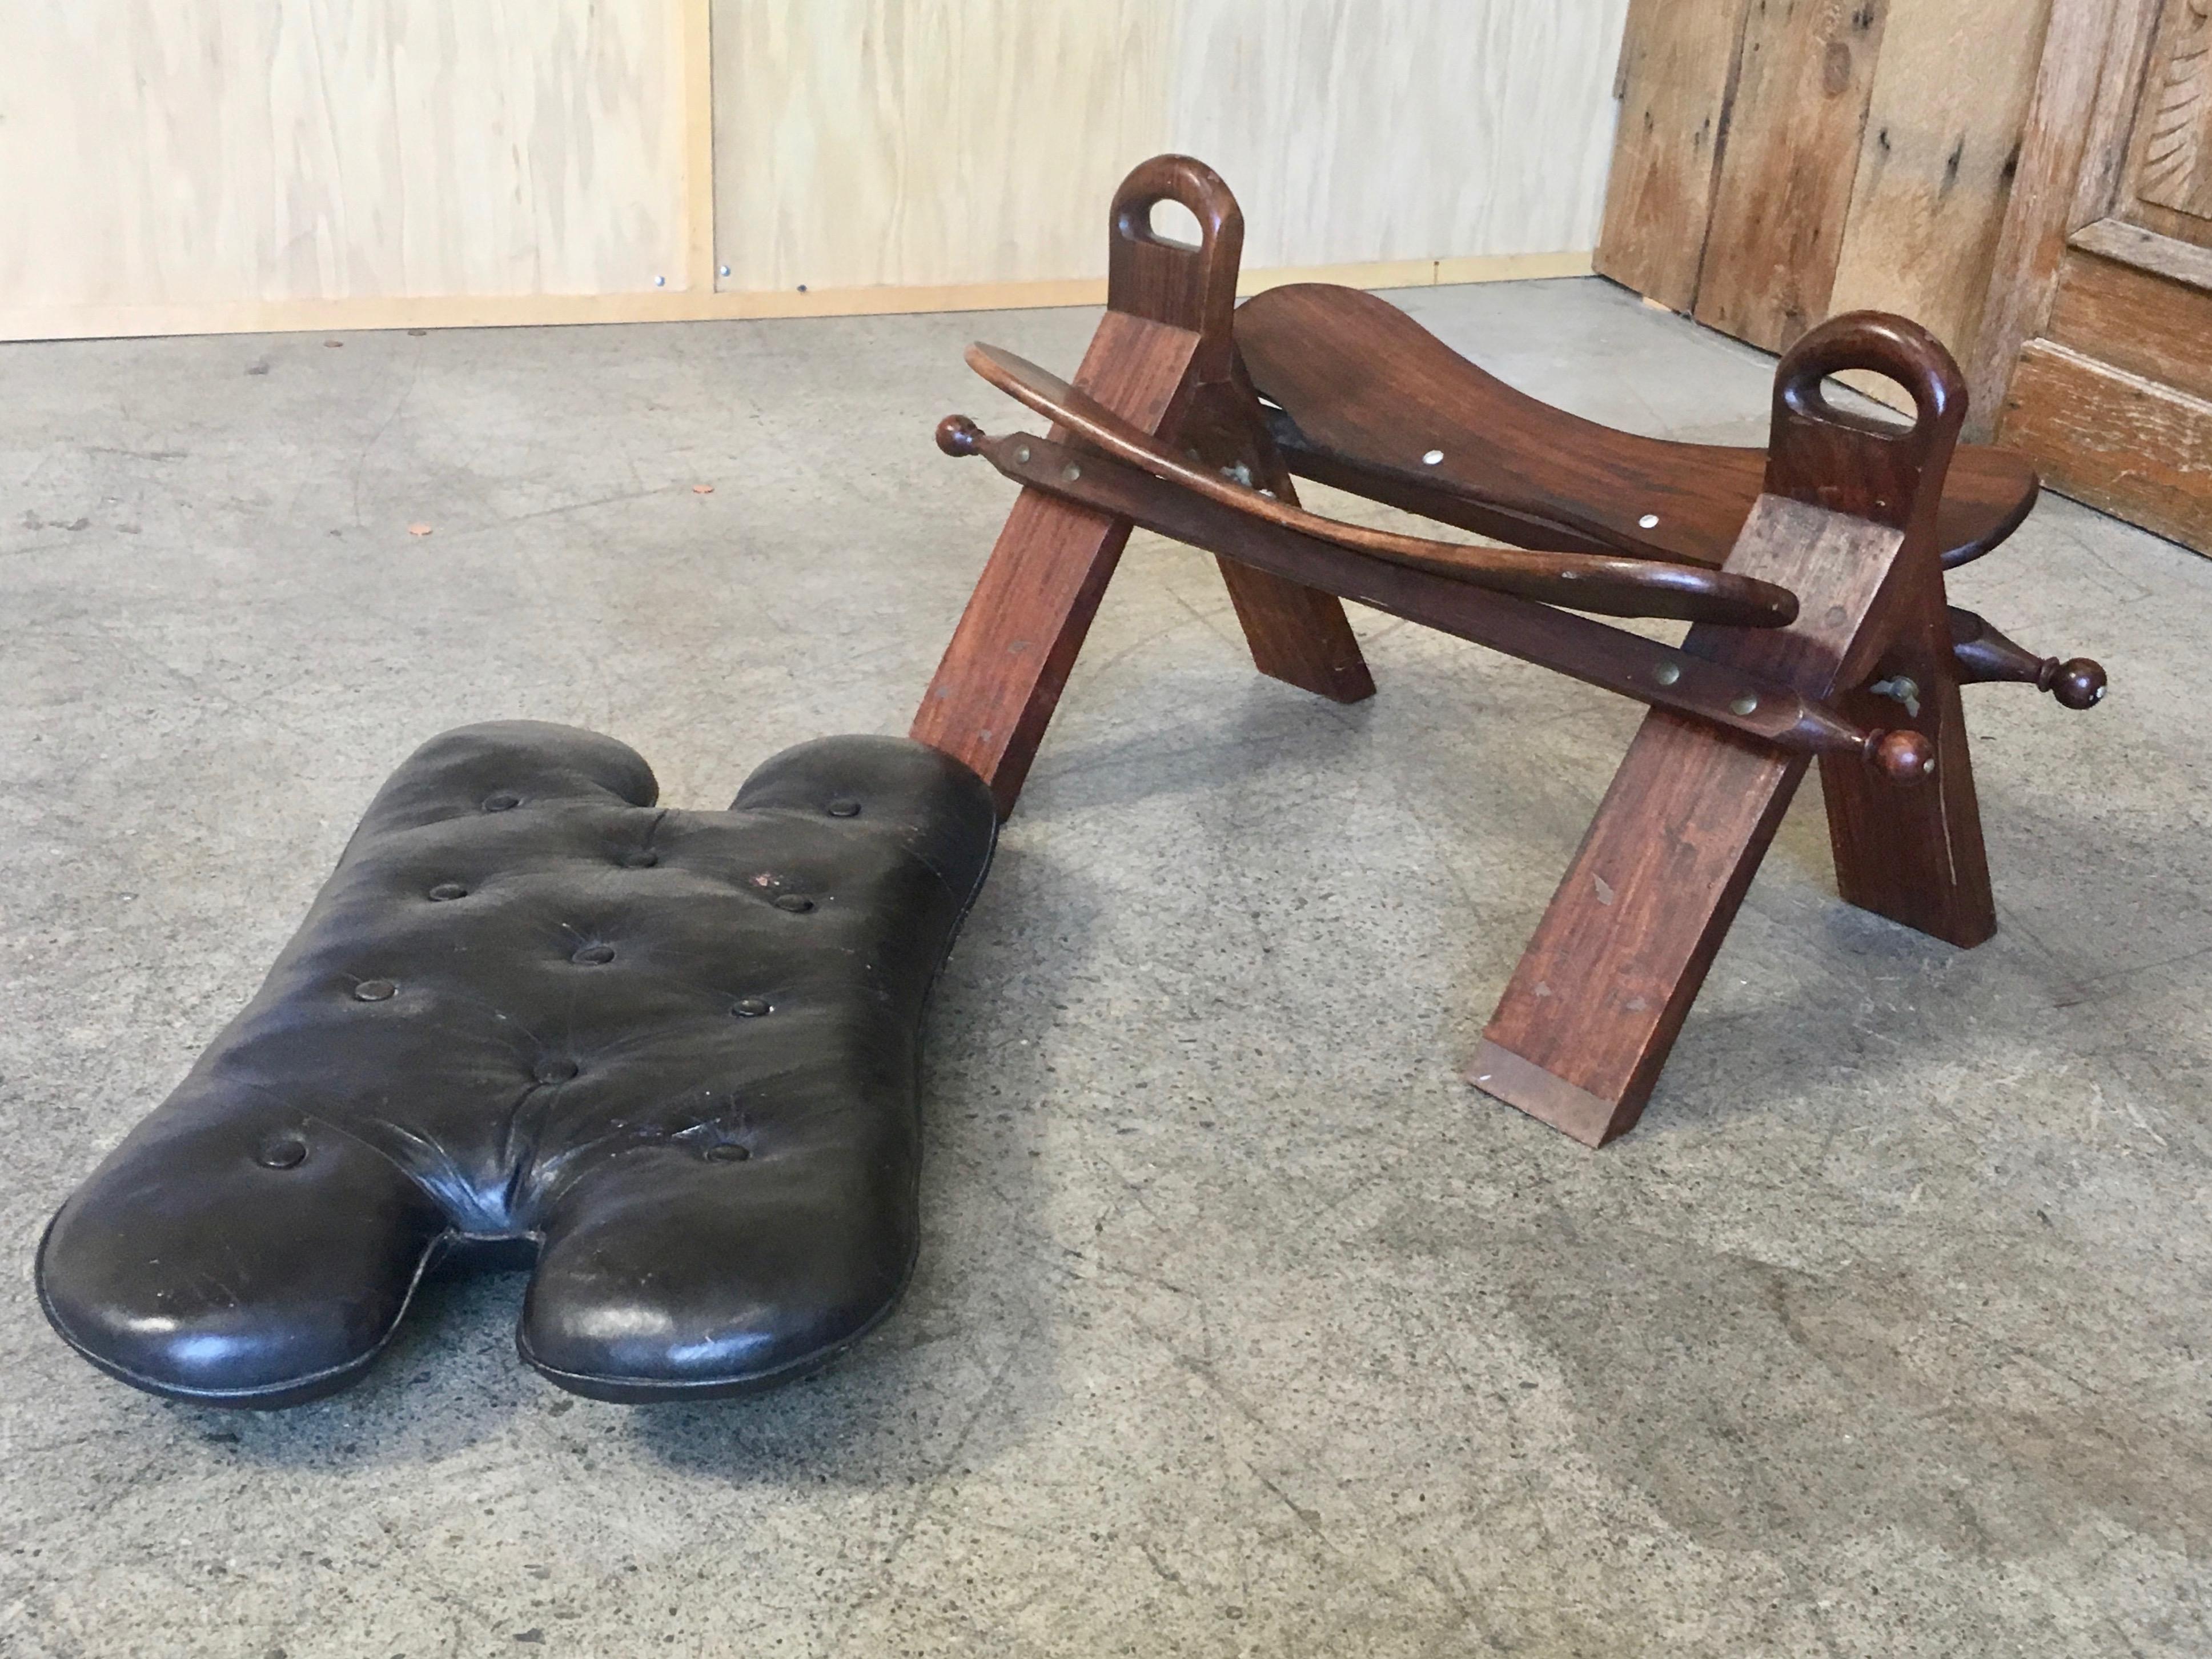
[[2095, 357]]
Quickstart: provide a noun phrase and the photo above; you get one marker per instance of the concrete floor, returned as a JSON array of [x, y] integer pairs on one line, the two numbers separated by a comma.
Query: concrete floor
[[1242, 1325]]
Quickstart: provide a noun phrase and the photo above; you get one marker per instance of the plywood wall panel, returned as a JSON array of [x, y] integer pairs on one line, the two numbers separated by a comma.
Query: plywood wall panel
[[861, 143], [1936, 161], [868, 143], [1388, 130], [1806, 73], [1678, 69], [198, 152]]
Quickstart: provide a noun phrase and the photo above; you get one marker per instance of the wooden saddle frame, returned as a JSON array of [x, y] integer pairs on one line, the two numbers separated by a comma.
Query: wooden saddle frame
[[1813, 576]]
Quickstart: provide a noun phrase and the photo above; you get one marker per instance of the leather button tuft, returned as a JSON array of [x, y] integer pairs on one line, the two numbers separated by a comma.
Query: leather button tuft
[[798, 903], [285, 1152], [727, 1151], [644, 859], [845, 807], [449, 890], [750, 1007], [502, 802], [593, 955], [374, 990], [555, 1070]]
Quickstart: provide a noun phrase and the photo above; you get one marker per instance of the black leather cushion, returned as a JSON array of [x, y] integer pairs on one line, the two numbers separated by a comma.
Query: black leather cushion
[[673, 1052]]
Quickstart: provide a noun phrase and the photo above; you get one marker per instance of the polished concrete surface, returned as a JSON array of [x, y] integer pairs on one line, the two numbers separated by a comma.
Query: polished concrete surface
[[1243, 1326]]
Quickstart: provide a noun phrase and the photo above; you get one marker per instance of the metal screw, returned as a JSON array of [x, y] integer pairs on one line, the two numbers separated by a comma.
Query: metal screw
[[1648, 521], [721, 270], [1023, 454], [1746, 704], [449, 890], [1434, 457], [750, 1008], [844, 807], [1667, 674], [660, 282], [1070, 472], [594, 956], [374, 990], [798, 903]]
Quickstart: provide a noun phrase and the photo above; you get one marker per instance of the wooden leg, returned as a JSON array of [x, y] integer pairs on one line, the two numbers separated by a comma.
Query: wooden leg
[[1298, 635], [1600, 995], [1001, 676], [1602, 991], [1915, 855]]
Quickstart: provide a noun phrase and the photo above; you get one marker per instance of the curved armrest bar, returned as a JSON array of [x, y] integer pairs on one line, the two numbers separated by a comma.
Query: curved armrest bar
[[1610, 585]]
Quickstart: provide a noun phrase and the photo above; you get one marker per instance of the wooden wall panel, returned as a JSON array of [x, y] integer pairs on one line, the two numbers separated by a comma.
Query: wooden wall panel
[[1678, 69], [1936, 161], [1392, 130], [861, 143], [205, 152], [1804, 77], [2115, 441], [2136, 319]]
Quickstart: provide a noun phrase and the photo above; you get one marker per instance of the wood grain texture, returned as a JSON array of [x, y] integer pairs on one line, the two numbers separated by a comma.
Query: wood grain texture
[[2054, 188], [2136, 319], [1401, 129], [2170, 163], [1600, 995], [2117, 441], [866, 143], [1009, 658], [2186, 263], [201, 152], [1783, 195], [1349, 368], [1677, 76], [1936, 161], [870, 142]]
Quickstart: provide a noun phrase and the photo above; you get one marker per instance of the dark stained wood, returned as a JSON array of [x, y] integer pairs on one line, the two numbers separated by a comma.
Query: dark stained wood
[[1847, 522], [1592, 652], [1345, 367], [1165, 339], [1008, 661], [1985, 656], [1610, 585], [1914, 856], [1601, 994]]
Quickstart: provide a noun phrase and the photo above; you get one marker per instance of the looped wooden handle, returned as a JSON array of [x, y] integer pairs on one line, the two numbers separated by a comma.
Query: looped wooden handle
[[1148, 276], [1853, 463]]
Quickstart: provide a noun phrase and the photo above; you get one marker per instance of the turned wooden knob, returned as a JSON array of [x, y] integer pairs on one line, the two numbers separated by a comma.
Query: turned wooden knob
[[1903, 756], [958, 435], [2076, 684]]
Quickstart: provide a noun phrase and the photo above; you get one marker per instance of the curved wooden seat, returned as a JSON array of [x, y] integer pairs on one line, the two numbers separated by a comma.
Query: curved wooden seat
[[1368, 393]]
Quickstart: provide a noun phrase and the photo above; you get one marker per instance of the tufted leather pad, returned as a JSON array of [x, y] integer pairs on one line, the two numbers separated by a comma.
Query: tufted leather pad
[[674, 1052]]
